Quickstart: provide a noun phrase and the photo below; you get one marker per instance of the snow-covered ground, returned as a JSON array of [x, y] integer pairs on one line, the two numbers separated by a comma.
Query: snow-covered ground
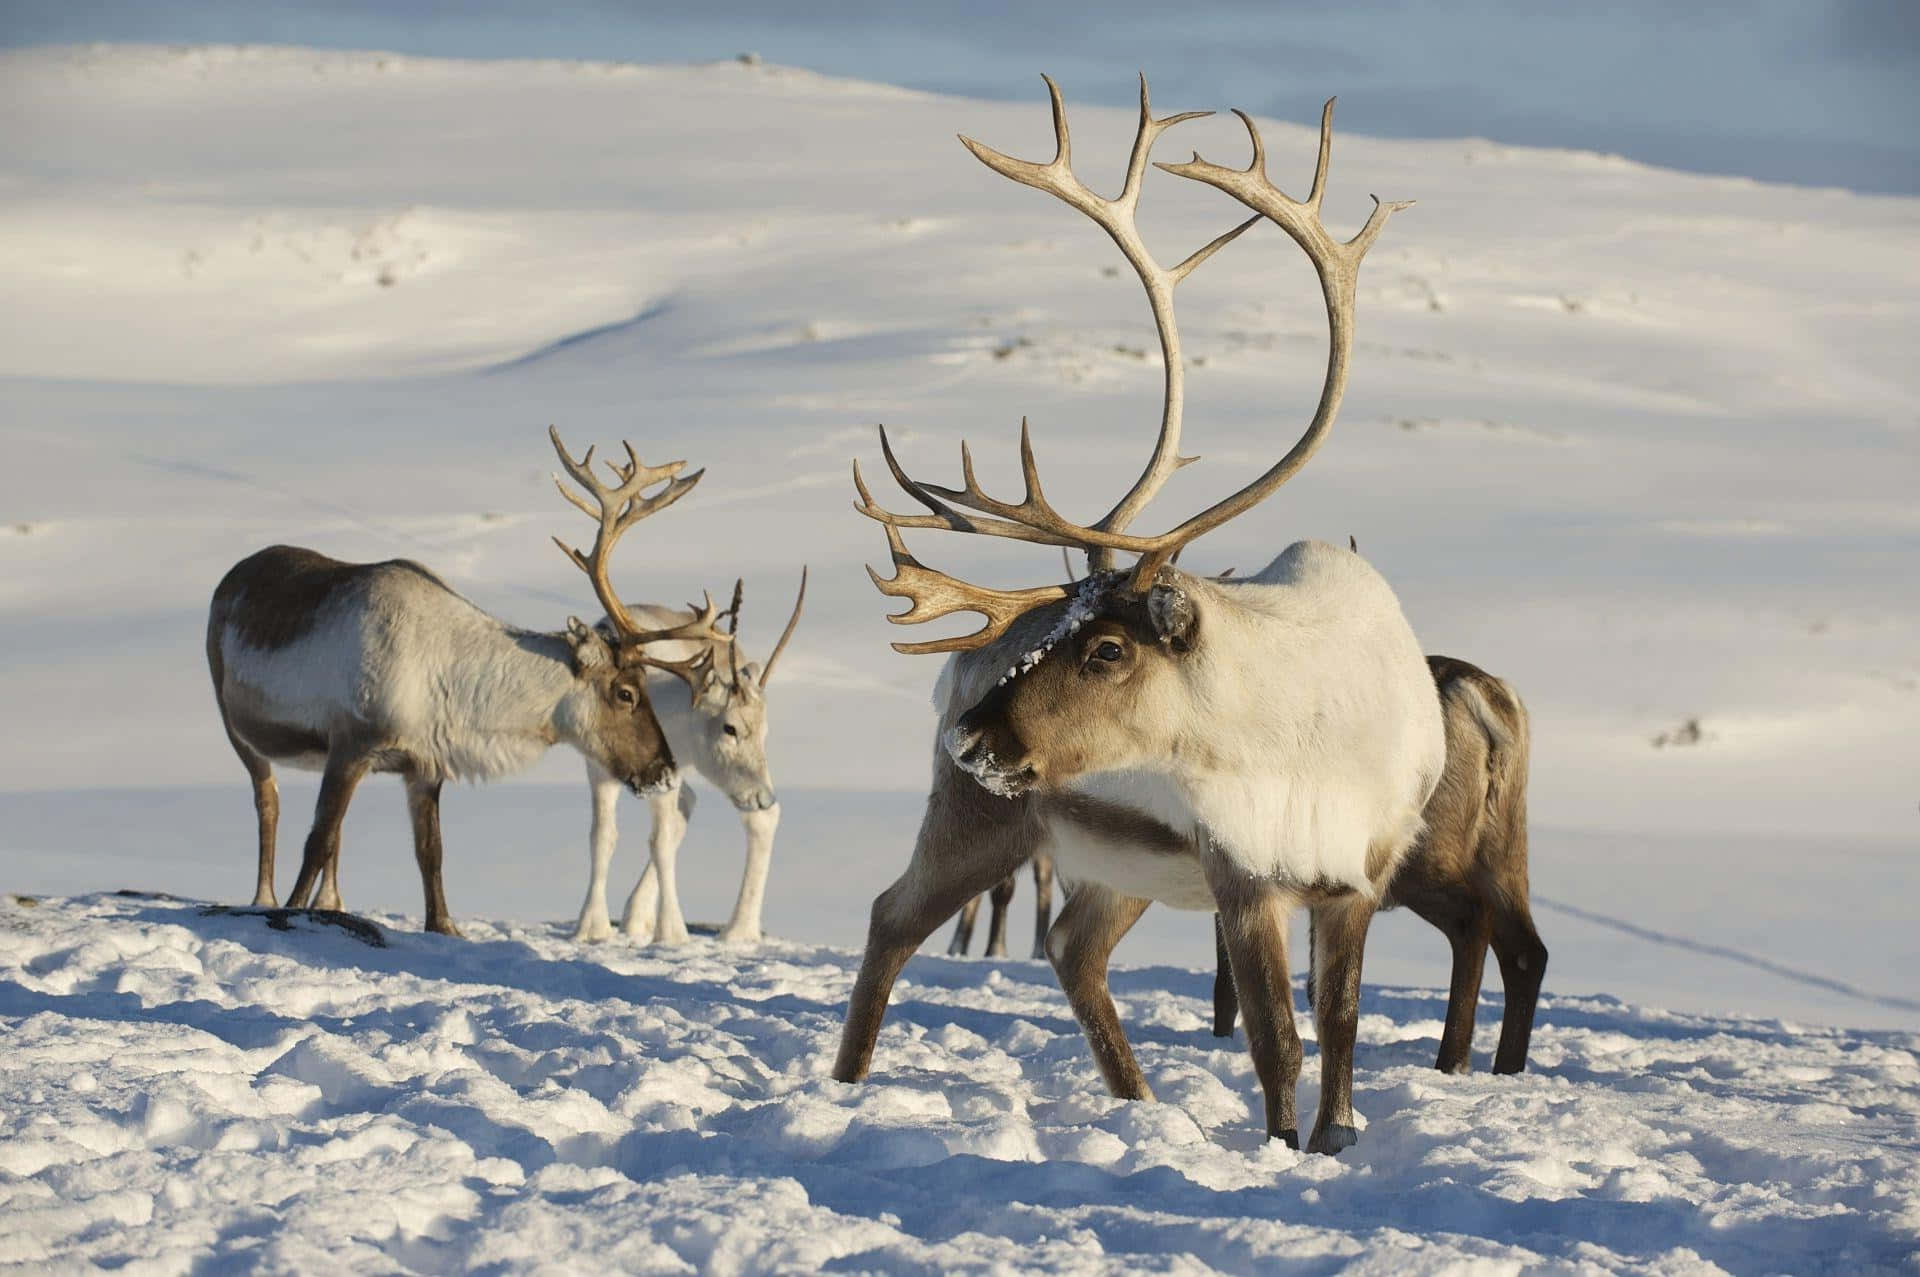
[[1642, 442], [183, 1086]]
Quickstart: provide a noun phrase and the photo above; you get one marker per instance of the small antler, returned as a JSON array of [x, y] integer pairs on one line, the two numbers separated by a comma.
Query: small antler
[[702, 629], [766, 671]]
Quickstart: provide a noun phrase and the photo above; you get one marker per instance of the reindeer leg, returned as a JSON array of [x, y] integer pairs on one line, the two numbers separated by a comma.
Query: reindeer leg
[[342, 776], [1080, 943], [999, 897], [968, 841], [963, 929], [669, 827], [1339, 944], [1523, 964], [1253, 921], [1226, 1003], [605, 836], [328, 896], [423, 805], [266, 810], [744, 926], [1467, 929], [1042, 902]]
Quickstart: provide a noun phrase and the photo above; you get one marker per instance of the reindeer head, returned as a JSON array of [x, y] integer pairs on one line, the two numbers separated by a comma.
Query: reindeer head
[[610, 718], [1105, 688], [1110, 686], [728, 710]]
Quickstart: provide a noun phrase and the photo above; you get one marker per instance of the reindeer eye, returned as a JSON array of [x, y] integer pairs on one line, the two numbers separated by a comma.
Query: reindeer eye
[[1108, 650], [730, 729], [624, 695]]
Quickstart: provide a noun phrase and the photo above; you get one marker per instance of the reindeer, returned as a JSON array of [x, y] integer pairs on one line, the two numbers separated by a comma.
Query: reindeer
[[715, 719], [1467, 873], [352, 668], [1242, 746]]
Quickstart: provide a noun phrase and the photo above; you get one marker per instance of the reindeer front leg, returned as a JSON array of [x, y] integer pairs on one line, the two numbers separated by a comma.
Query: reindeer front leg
[[744, 926], [1339, 943], [653, 910], [1253, 923], [1080, 943], [594, 923], [968, 841]]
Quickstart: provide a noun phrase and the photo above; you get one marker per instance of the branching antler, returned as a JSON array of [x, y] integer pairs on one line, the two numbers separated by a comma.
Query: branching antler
[[1033, 518], [616, 508], [1116, 218], [935, 594]]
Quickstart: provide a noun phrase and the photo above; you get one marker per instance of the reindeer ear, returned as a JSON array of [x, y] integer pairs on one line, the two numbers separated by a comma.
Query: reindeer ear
[[751, 672], [1171, 609], [590, 647]]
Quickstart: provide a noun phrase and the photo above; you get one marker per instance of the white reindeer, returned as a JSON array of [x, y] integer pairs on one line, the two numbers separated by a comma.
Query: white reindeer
[[713, 708], [1244, 746], [351, 668]]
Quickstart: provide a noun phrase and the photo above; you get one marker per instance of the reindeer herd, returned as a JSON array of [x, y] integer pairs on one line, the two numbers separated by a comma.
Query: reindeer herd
[[1246, 746]]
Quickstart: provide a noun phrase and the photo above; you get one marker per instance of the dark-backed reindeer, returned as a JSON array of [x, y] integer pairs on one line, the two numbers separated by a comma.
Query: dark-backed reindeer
[[1467, 873], [1243, 746], [352, 668], [712, 704]]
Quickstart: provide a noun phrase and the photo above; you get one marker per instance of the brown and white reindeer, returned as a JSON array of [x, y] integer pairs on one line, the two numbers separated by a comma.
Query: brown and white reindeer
[[1242, 746], [352, 668], [711, 701], [1467, 873]]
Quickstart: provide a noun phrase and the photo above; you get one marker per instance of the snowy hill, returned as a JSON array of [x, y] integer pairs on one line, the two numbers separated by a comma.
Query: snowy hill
[[1643, 443]]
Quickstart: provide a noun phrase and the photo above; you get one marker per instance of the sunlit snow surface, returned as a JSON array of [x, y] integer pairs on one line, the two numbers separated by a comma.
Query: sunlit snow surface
[[183, 1086]]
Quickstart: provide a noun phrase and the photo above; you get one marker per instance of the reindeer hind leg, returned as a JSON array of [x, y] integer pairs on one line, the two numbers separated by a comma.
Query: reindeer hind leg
[[963, 929], [1000, 898], [1042, 902], [1523, 964], [345, 769]]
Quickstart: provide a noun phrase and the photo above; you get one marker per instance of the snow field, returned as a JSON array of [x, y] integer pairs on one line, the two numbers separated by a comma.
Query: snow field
[[185, 1087]]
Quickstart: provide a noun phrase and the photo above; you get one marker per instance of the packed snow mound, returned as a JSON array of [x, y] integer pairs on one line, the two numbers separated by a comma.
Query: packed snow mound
[[190, 1086]]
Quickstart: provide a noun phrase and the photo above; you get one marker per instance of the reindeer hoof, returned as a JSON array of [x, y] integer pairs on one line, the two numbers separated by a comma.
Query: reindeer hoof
[[1290, 1136], [593, 932], [740, 937], [444, 927], [1331, 1139]]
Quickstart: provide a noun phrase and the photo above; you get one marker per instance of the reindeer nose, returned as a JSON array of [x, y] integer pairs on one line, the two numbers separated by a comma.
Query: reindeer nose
[[964, 742]]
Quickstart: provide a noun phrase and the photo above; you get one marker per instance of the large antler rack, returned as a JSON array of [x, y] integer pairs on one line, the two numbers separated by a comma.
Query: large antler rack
[[617, 507], [1033, 518]]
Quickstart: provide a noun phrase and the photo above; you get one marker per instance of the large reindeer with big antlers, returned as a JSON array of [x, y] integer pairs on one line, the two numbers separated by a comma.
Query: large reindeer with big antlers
[[1245, 746], [712, 704], [352, 668]]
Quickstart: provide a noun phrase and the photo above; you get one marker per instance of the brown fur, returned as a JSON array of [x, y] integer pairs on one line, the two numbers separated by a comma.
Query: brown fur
[[1467, 875], [284, 588]]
